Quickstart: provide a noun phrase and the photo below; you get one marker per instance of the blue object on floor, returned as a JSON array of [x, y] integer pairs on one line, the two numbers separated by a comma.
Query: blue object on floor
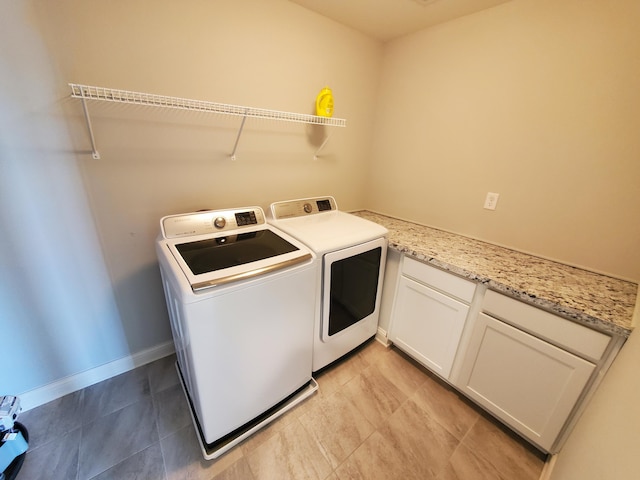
[[13, 448]]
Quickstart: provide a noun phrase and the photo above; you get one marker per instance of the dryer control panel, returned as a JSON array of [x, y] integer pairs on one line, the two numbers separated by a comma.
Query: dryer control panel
[[302, 207]]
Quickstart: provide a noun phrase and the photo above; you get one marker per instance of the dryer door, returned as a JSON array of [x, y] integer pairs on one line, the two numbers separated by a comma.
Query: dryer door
[[351, 286]]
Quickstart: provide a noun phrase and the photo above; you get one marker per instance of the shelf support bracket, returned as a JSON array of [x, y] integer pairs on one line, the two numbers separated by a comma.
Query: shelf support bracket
[[235, 146], [315, 157], [94, 152]]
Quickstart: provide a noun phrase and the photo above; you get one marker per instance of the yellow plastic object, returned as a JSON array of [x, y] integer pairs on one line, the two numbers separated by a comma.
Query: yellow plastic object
[[324, 103]]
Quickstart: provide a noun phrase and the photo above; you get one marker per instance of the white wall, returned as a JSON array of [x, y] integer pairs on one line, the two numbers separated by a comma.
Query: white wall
[[58, 314], [76, 306], [537, 100]]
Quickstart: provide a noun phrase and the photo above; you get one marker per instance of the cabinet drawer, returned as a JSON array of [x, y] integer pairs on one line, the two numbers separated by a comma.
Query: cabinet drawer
[[557, 330], [443, 281]]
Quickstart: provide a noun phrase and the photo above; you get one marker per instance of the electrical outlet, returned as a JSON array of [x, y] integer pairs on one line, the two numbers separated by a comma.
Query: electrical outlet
[[491, 201]]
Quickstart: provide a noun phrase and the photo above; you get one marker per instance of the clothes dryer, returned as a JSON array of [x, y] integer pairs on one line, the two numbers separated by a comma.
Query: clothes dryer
[[351, 253]]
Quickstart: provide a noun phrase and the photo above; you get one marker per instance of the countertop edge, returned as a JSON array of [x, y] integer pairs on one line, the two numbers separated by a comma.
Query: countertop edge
[[563, 311]]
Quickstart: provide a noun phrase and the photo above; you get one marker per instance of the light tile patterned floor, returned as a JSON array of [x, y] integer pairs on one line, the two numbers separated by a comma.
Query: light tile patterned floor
[[377, 416]]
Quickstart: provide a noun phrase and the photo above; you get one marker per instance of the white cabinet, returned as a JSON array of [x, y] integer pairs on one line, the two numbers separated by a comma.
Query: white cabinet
[[429, 314], [528, 367], [531, 369]]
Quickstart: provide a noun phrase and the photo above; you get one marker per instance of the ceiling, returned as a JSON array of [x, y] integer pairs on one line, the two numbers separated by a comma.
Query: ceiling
[[388, 19]]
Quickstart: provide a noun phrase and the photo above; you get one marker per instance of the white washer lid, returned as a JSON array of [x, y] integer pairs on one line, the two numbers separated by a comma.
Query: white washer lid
[[329, 231]]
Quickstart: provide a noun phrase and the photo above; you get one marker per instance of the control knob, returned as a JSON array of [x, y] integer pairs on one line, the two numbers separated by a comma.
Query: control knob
[[219, 222], [308, 208]]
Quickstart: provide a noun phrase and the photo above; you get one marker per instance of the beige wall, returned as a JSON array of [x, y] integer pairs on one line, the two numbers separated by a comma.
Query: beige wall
[[274, 55], [537, 100], [604, 444]]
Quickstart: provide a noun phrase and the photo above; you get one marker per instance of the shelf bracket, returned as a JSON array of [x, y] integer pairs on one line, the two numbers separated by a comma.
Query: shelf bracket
[[315, 157], [94, 152], [235, 146]]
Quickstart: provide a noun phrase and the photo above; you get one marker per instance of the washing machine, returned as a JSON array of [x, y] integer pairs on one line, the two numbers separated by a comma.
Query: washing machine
[[241, 297], [351, 254]]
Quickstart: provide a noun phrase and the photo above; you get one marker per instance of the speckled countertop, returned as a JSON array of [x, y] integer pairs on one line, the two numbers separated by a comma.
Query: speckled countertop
[[602, 302]]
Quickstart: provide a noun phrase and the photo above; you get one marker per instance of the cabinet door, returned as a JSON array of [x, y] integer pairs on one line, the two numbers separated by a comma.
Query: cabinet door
[[427, 325], [528, 383]]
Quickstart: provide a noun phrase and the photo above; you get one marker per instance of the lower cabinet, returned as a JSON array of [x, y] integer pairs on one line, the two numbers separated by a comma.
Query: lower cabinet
[[426, 323], [528, 383], [528, 367]]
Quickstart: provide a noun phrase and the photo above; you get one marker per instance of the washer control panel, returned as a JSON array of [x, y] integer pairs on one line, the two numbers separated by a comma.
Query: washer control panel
[[210, 221], [302, 207]]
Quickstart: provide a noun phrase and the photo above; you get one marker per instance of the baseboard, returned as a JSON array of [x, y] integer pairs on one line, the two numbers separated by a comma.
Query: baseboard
[[548, 467], [64, 386], [382, 337]]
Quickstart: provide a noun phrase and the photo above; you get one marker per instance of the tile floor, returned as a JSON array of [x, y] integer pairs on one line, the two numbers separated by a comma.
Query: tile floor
[[377, 416]]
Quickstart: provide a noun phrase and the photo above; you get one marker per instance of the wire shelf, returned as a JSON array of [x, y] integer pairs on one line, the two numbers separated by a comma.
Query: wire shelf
[[138, 98]]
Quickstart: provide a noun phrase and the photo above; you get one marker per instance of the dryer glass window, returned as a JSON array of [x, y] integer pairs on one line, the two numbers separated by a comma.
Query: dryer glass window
[[354, 285]]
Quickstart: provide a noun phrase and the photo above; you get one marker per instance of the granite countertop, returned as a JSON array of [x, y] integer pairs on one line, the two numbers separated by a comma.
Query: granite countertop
[[604, 303]]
